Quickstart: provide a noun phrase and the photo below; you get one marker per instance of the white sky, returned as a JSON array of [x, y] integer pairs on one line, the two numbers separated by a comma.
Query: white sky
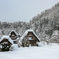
[[23, 10]]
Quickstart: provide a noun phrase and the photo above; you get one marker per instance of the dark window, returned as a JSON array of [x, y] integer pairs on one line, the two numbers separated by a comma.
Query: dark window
[[30, 37], [14, 42], [13, 35]]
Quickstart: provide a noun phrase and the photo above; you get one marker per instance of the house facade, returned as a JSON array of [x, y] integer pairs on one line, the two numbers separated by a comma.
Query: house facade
[[14, 36], [29, 38], [6, 43]]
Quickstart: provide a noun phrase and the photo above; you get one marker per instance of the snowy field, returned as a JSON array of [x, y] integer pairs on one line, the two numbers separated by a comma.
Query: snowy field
[[42, 52]]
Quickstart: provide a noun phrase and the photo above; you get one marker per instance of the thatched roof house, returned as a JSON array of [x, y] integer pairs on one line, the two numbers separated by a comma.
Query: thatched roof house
[[29, 37], [6, 39], [6, 43], [14, 36]]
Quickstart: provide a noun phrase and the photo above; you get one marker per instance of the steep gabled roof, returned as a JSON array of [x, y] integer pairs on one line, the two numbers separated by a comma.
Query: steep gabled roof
[[14, 32], [6, 37], [26, 32]]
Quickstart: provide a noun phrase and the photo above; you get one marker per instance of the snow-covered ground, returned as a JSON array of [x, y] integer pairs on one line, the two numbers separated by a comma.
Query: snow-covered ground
[[42, 52]]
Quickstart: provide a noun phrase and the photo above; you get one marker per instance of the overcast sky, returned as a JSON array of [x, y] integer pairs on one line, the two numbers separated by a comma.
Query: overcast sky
[[23, 10]]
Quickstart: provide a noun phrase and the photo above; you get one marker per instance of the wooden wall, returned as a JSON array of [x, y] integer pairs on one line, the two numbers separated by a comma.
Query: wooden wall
[[26, 41]]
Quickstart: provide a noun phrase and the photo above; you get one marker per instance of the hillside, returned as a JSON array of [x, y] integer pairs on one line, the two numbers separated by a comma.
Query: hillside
[[43, 24]]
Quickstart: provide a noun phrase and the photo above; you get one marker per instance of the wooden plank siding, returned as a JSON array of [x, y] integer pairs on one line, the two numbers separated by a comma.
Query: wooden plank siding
[[32, 42], [33, 36], [13, 37]]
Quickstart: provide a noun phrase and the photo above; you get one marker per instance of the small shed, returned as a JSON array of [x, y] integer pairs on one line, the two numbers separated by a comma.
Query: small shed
[[29, 38], [6, 42]]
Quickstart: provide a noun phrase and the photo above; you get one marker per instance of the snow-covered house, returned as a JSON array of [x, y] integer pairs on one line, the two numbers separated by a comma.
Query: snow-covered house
[[14, 36], [5, 43], [29, 38], [6, 39]]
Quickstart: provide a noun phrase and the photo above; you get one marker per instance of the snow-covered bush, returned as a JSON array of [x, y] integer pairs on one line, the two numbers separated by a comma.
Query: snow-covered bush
[[11, 48], [19, 45], [0, 47], [5, 46], [37, 43]]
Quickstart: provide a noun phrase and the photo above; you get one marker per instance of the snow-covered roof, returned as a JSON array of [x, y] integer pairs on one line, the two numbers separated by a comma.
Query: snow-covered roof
[[7, 37], [26, 32], [14, 32]]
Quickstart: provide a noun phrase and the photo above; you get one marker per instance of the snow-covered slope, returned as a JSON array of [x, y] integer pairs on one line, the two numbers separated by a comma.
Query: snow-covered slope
[[42, 52]]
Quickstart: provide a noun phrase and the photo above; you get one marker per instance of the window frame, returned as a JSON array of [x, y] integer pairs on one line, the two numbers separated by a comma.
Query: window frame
[[15, 42], [31, 37]]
